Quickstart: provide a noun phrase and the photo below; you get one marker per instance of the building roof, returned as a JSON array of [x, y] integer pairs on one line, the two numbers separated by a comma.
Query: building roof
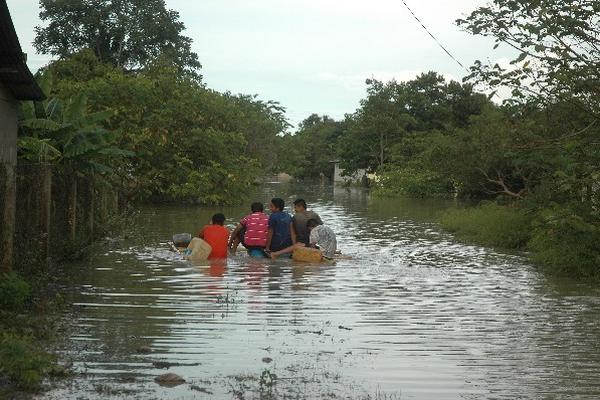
[[14, 73]]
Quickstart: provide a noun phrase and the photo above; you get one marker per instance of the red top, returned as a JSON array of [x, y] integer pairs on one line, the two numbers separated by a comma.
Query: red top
[[257, 228], [217, 236]]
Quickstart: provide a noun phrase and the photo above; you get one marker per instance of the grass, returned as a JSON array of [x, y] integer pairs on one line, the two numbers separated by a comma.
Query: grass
[[562, 240], [491, 225], [23, 362], [567, 243], [25, 329]]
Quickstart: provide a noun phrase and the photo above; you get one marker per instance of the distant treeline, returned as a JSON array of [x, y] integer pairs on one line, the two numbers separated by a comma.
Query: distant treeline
[[534, 159]]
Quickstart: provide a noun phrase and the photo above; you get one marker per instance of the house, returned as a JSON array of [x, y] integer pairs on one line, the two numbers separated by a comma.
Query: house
[[357, 177], [16, 83]]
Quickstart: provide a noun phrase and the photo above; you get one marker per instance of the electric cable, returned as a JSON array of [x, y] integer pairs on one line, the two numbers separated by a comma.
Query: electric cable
[[433, 37]]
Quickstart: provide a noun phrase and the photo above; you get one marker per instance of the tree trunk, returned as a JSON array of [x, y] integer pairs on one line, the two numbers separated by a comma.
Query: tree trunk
[[92, 206], [7, 227], [45, 210], [381, 149], [103, 204], [115, 207], [72, 207]]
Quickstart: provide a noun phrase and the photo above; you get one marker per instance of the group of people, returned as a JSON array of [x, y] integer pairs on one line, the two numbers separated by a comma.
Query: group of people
[[274, 235]]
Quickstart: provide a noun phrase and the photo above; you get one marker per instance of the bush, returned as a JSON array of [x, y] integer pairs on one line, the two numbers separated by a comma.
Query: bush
[[22, 362], [567, 242], [15, 293], [412, 183], [490, 224]]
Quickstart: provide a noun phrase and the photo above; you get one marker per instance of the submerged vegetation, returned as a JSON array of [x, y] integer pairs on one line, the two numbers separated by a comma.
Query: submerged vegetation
[[490, 224], [25, 329]]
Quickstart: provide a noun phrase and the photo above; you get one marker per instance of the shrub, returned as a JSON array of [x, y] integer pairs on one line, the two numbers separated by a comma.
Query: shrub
[[567, 242], [490, 224], [15, 293], [22, 362], [412, 183]]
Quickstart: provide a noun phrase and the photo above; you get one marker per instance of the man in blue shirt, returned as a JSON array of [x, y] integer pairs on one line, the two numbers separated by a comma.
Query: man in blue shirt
[[281, 228]]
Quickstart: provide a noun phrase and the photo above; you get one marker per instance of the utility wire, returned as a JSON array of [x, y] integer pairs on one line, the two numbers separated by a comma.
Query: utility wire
[[433, 37]]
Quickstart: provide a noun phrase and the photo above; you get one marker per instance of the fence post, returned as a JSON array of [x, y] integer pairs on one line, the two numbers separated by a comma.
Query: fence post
[[7, 227], [92, 206], [72, 205], [45, 209]]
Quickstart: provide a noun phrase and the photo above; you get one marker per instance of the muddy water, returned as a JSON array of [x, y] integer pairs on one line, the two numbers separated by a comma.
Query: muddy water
[[414, 315]]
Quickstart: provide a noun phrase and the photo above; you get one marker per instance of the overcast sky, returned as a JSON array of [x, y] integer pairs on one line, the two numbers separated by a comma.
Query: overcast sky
[[312, 56]]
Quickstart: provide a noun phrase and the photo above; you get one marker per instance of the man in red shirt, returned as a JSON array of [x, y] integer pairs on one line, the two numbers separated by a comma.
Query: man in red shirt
[[252, 232], [217, 236]]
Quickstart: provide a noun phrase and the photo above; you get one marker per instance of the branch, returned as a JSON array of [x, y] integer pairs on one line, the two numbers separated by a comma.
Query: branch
[[500, 182], [557, 140]]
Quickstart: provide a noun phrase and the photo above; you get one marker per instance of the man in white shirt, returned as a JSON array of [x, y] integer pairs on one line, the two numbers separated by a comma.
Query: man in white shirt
[[322, 237]]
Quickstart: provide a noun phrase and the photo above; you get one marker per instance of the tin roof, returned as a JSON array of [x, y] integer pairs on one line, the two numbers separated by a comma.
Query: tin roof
[[14, 73]]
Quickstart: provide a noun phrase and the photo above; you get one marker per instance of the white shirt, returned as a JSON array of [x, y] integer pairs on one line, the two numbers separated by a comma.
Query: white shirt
[[324, 237]]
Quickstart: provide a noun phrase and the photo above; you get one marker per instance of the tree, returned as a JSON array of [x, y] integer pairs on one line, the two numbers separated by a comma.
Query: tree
[[260, 122], [310, 150], [559, 49], [131, 34], [191, 143], [65, 134], [391, 125], [378, 124], [557, 72]]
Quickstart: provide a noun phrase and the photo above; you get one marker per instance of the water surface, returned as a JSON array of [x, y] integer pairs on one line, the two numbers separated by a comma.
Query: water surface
[[415, 314]]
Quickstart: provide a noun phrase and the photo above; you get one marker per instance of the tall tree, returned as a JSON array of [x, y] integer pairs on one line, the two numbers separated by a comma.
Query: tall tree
[[557, 70], [559, 49], [127, 33]]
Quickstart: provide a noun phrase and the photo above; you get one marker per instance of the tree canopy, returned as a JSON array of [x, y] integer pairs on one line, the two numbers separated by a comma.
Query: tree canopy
[[558, 44], [130, 34]]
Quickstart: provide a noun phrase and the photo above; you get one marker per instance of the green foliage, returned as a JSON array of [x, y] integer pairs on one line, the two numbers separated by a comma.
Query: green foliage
[[131, 34], [490, 224], [566, 241], [412, 183], [563, 240], [188, 143], [395, 111], [21, 333], [63, 132], [22, 362], [558, 47], [389, 129], [310, 150], [34, 149], [15, 293]]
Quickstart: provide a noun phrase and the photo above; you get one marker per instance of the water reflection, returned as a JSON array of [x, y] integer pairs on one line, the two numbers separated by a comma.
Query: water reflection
[[414, 314]]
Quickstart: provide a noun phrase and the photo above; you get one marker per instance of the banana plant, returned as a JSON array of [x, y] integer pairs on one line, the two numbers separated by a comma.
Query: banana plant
[[64, 133]]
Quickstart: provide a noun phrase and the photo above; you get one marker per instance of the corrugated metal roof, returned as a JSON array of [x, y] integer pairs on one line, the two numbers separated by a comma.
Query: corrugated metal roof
[[14, 73]]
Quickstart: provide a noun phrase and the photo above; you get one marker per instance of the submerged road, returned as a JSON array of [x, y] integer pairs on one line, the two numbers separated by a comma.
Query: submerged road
[[414, 315]]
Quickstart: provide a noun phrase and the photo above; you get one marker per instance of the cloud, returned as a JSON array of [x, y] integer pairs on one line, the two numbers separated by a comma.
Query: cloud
[[356, 82]]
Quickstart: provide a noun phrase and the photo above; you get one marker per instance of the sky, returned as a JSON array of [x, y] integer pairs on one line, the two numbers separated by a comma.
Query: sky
[[312, 56]]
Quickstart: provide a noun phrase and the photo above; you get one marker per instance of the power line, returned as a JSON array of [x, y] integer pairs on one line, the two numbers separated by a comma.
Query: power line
[[433, 37]]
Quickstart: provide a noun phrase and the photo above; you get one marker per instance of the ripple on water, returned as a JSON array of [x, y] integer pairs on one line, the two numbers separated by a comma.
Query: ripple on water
[[414, 315]]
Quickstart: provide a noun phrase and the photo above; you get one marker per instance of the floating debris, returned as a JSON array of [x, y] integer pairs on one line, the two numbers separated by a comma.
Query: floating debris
[[200, 389], [144, 349], [169, 380]]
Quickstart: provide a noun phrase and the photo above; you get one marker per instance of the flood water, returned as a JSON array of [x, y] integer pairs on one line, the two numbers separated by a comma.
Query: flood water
[[415, 314]]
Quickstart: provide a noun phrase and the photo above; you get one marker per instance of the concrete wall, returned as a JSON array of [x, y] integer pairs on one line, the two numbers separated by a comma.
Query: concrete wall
[[357, 177], [8, 127], [8, 162]]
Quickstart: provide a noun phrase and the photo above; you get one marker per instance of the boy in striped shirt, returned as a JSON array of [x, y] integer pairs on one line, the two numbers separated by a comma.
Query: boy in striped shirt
[[251, 231]]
